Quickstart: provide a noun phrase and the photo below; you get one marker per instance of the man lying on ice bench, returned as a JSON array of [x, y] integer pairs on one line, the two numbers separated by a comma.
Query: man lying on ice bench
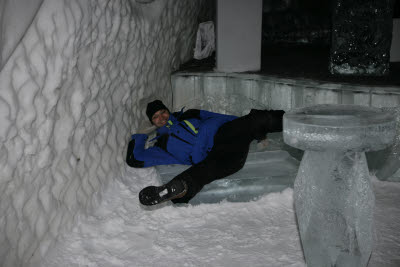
[[216, 145]]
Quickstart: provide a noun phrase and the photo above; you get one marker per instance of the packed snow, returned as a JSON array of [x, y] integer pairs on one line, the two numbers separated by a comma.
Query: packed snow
[[124, 233], [121, 232]]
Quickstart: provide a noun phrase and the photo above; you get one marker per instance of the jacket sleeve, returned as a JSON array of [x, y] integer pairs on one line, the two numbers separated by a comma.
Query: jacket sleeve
[[210, 124], [189, 114], [139, 157], [204, 114]]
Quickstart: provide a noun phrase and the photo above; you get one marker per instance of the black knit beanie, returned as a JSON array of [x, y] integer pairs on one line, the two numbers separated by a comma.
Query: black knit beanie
[[153, 107]]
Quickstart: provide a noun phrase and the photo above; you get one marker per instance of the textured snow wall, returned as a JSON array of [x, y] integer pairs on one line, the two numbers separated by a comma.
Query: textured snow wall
[[15, 18], [71, 93]]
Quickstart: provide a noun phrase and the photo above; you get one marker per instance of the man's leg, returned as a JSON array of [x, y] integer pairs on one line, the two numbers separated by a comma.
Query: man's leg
[[231, 146], [254, 125], [220, 163]]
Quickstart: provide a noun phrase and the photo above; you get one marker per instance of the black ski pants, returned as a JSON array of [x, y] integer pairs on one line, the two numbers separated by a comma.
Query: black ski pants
[[231, 146]]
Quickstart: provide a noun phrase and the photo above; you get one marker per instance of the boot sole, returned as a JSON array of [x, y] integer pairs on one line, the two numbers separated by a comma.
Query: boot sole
[[155, 191]]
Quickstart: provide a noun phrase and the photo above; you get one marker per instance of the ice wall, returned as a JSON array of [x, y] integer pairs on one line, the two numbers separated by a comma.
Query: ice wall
[[71, 93]]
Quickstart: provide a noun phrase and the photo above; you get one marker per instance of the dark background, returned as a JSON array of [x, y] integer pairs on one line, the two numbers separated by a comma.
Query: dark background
[[396, 13], [296, 42]]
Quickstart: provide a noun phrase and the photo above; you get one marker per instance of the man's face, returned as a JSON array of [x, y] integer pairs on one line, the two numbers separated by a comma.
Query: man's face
[[160, 118]]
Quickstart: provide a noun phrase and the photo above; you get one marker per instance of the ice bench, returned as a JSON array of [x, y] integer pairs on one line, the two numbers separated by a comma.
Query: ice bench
[[267, 169]]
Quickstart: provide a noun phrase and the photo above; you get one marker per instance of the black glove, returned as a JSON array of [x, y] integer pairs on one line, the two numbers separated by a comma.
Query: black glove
[[130, 158], [190, 114]]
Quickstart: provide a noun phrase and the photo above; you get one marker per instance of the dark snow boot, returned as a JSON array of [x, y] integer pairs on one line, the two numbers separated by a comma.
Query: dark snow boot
[[153, 195], [275, 123], [265, 121]]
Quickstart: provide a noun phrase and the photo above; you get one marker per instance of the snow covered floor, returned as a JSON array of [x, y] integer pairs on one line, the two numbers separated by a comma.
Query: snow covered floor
[[259, 233]]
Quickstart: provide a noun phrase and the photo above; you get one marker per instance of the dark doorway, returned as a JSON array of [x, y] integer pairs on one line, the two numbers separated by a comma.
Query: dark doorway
[[296, 37], [396, 11]]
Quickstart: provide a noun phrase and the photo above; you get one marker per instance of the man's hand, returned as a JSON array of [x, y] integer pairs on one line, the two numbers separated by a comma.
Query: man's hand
[[262, 144], [130, 157]]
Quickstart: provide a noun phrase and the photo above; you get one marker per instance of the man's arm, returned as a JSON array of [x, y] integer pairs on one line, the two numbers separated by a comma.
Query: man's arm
[[202, 114], [139, 157]]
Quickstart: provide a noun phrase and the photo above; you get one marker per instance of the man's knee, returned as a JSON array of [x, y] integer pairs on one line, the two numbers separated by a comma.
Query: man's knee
[[276, 120], [193, 186], [266, 121], [236, 164]]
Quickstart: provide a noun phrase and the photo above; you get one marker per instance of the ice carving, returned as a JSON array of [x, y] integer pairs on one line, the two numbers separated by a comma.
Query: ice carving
[[333, 196], [357, 29], [349, 128], [391, 167], [265, 171]]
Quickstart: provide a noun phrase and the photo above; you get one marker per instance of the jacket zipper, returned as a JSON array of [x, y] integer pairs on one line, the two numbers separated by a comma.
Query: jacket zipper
[[183, 140], [183, 126]]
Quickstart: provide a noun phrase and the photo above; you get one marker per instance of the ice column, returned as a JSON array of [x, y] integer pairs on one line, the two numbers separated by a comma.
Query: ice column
[[361, 37], [333, 197]]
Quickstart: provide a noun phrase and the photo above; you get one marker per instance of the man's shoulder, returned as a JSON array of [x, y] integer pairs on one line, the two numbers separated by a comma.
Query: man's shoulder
[[176, 114]]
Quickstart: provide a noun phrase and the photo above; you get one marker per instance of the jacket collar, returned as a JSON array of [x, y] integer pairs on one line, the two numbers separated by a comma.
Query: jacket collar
[[171, 121]]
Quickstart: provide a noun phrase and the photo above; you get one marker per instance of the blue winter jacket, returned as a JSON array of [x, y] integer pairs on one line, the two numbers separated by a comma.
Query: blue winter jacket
[[179, 142]]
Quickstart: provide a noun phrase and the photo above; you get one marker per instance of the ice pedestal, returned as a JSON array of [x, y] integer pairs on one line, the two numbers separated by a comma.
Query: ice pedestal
[[390, 170], [333, 197], [264, 172]]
